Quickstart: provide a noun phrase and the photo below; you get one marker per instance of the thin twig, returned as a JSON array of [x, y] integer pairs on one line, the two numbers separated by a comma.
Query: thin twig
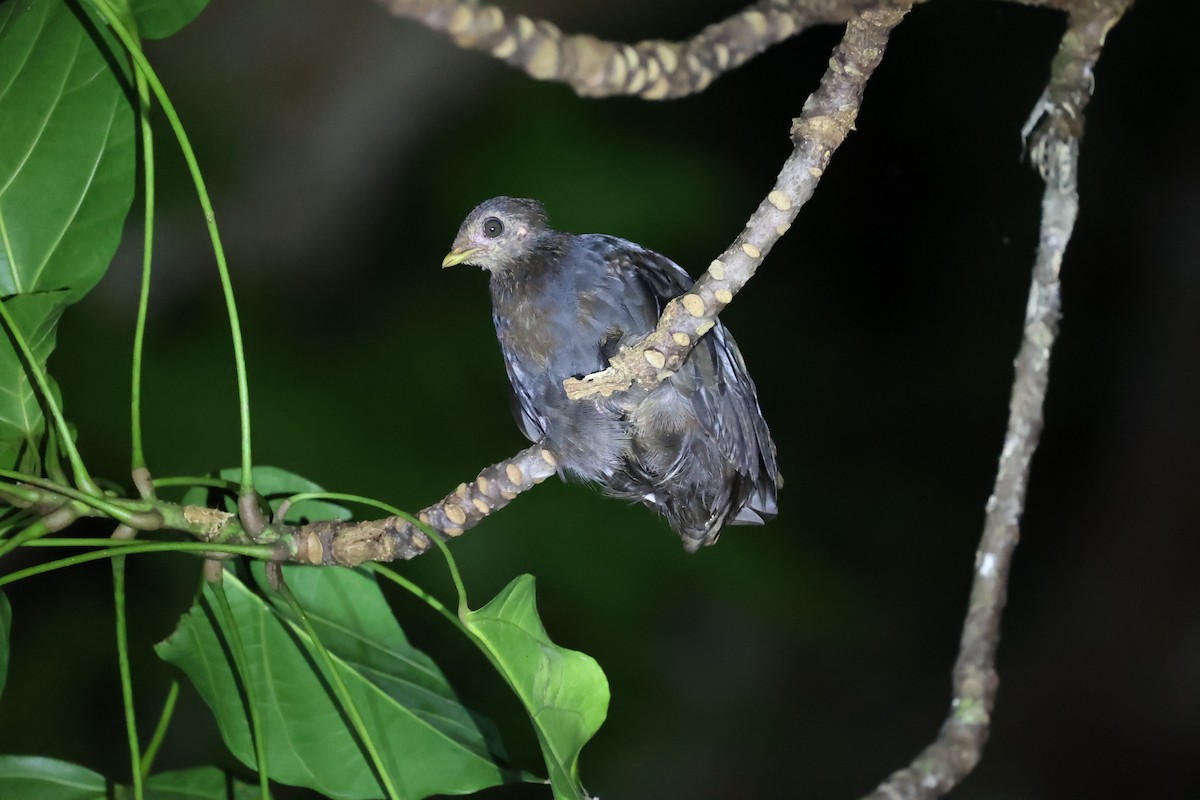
[[1056, 125]]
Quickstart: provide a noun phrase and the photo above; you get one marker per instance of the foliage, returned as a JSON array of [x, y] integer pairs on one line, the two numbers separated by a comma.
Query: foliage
[[312, 683], [66, 184], [397, 688]]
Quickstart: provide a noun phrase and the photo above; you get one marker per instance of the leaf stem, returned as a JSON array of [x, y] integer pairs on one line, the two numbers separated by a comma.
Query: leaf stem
[[135, 753], [343, 693], [160, 730], [239, 657], [114, 21], [254, 551], [28, 535], [139, 332], [82, 478], [116, 511]]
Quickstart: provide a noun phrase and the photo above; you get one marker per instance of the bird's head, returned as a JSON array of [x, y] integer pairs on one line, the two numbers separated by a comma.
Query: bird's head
[[497, 233]]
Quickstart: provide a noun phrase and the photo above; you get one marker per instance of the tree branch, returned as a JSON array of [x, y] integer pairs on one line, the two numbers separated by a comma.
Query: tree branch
[[828, 116], [349, 543], [396, 538], [653, 69], [1055, 127]]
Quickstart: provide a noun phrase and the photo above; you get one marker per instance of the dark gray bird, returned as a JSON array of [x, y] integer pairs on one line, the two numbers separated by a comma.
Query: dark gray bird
[[695, 448]]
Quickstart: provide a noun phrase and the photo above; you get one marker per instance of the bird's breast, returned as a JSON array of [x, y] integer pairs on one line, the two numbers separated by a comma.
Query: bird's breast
[[547, 328], [529, 331]]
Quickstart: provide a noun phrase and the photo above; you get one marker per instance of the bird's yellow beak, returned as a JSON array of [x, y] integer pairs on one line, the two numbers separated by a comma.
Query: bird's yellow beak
[[458, 256]]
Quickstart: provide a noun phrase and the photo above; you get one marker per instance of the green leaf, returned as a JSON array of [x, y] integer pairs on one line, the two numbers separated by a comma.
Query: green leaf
[[158, 19], [66, 184], [67, 164], [431, 744], [354, 620], [201, 783], [21, 421], [564, 691], [37, 778], [5, 638]]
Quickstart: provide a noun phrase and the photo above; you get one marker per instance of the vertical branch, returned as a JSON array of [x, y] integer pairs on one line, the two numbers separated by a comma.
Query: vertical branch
[[1054, 130]]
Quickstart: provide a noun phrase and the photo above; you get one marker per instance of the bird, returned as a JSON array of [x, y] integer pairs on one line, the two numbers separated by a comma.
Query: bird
[[694, 448]]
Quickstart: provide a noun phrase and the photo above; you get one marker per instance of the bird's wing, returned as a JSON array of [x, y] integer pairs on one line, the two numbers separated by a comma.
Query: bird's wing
[[658, 278], [714, 377], [521, 383], [629, 286], [741, 430]]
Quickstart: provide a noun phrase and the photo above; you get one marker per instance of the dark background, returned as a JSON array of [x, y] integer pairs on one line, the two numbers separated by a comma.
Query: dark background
[[807, 658]]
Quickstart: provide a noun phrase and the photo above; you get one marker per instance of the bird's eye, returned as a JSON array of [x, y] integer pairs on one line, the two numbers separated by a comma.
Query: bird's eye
[[492, 227]]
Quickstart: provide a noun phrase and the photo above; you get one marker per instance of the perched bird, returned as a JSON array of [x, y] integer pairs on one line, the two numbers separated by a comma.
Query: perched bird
[[694, 448]]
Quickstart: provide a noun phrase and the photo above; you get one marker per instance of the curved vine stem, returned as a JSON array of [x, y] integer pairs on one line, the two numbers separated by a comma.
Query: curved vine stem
[[143, 66]]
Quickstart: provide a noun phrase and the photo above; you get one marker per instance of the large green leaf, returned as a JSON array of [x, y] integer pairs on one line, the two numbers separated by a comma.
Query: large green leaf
[[564, 691], [5, 638], [67, 161], [66, 184], [21, 421], [37, 778], [352, 618], [428, 742]]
